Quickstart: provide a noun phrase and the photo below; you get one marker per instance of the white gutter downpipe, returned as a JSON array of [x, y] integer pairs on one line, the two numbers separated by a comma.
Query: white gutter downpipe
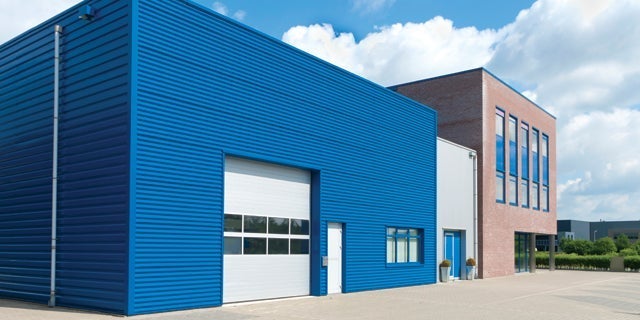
[[474, 155], [54, 179]]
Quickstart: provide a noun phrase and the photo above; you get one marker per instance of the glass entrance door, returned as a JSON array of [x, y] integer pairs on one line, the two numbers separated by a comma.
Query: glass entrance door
[[521, 252]]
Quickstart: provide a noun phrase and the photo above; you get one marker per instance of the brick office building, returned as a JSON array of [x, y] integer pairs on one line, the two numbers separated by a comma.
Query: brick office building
[[516, 142]]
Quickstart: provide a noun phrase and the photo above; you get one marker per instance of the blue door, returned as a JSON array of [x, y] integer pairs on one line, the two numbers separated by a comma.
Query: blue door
[[452, 251]]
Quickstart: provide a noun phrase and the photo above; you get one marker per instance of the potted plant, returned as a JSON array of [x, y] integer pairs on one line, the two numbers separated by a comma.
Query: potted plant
[[445, 267], [471, 268]]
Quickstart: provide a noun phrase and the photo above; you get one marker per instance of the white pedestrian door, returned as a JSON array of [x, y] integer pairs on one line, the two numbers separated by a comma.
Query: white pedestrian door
[[334, 277]]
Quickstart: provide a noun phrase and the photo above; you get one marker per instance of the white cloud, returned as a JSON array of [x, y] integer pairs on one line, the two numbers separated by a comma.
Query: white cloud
[[576, 54], [17, 17], [222, 9], [600, 153], [239, 15], [368, 6], [576, 58], [400, 52]]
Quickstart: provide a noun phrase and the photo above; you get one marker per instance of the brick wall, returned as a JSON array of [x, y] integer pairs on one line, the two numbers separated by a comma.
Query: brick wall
[[466, 103]]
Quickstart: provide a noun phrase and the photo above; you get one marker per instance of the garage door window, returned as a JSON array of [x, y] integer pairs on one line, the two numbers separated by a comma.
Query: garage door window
[[260, 235]]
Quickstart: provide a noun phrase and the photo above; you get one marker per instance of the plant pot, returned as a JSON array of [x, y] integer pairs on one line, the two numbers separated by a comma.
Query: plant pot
[[471, 272], [444, 274]]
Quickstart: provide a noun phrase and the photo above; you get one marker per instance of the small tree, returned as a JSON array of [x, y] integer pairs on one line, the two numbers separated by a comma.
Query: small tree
[[566, 245], [628, 252], [604, 246], [580, 247], [622, 242]]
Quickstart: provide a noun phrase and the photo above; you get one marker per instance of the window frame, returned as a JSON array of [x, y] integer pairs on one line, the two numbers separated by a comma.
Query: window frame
[[408, 237], [544, 163], [513, 160], [267, 235], [535, 155], [500, 165], [525, 198], [535, 205]]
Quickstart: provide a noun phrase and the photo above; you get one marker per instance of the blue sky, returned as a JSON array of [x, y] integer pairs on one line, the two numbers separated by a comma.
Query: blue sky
[[578, 59], [360, 17]]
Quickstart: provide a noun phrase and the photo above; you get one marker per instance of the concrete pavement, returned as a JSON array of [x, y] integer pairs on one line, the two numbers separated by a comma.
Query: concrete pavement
[[543, 295]]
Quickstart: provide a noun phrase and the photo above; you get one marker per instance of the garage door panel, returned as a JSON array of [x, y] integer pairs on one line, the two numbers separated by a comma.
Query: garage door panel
[[255, 188], [264, 277], [265, 262]]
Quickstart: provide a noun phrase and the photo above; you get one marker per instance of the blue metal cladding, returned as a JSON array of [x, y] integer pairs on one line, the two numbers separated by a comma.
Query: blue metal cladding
[[207, 86], [93, 160]]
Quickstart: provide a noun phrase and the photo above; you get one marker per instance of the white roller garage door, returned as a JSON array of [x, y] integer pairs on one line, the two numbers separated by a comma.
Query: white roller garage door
[[266, 232]]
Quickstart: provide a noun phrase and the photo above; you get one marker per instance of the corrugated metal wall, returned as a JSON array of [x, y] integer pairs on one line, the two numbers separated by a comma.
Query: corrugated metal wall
[[93, 160], [206, 86]]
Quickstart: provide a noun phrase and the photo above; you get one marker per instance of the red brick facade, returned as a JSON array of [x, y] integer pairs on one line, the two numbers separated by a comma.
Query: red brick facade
[[466, 103]]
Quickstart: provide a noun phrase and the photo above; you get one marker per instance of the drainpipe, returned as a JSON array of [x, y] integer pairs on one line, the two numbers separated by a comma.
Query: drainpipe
[[54, 179], [474, 156]]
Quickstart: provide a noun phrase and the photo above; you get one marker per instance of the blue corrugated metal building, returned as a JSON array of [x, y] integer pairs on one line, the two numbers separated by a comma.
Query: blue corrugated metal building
[[176, 126]]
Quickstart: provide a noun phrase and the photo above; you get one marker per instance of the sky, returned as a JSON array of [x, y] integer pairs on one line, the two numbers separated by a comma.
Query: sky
[[578, 59]]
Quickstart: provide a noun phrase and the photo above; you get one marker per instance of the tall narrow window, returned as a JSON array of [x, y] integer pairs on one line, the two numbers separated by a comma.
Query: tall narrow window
[[513, 161], [500, 156], [535, 170], [545, 173], [524, 165]]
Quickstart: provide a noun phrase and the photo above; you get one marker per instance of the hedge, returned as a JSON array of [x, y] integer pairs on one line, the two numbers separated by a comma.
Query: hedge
[[576, 262], [632, 263]]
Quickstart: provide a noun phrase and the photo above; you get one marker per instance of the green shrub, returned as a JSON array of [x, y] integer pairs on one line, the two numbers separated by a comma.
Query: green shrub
[[628, 252], [632, 263], [581, 247], [604, 246], [576, 262], [542, 259], [445, 263], [591, 262], [622, 242]]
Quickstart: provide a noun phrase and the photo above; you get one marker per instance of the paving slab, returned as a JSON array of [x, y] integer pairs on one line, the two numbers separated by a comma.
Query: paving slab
[[543, 295]]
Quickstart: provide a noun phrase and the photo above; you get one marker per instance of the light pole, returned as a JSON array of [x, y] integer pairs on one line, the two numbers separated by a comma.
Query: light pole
[[594, 234]]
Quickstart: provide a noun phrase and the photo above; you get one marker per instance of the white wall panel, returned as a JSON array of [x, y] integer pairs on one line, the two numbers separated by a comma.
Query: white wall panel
[[455, 197]]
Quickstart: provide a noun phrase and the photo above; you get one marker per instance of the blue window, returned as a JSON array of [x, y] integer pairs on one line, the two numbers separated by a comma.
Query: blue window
[[524, 151], [535, 204], [403, 245], [535, 165], [513, 190], [544, 198], [513, 161], [524, 193], [524, 166], [500, 187], [545, 160], [513, 146], [500, 156], [544, 194]]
